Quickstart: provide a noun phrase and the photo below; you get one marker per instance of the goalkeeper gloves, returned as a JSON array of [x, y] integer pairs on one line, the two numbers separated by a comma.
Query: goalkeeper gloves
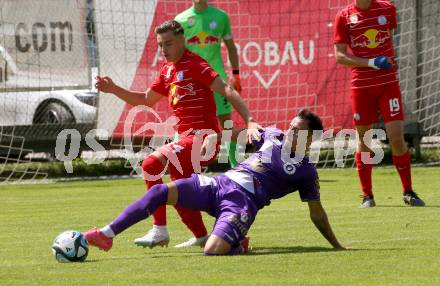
[[381, 62]]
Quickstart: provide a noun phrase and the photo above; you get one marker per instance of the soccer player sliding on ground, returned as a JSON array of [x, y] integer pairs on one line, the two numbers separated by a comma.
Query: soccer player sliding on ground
[[279, 167], [366, 26], [188, 82]]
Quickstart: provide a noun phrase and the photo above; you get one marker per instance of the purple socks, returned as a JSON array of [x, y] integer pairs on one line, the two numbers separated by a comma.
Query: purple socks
[[141, 209]]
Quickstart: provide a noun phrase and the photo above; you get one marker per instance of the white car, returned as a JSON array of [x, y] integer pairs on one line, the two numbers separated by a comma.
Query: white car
[[47, 107]]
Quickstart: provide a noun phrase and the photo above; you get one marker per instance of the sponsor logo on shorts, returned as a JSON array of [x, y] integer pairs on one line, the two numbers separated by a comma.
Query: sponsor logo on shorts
[[244, 217], [357, 116], [230, 237], [235, 233], [238, 223]]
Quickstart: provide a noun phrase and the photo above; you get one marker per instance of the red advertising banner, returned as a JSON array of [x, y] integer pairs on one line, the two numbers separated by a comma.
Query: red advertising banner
[[286, 60]]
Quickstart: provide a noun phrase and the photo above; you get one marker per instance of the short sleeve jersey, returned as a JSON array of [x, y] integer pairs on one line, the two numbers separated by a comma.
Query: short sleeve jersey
[[277, 176], [187, 86], [204, 32], [368, 34]]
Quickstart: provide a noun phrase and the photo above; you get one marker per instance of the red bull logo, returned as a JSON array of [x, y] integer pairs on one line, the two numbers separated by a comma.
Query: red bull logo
[[371, 39], [202, 39], [193, 41], [178, 92]]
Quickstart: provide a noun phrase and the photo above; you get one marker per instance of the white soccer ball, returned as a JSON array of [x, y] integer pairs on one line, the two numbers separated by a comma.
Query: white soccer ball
[[70, 246]]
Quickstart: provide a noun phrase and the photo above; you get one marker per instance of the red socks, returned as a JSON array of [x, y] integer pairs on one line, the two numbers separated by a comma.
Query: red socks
[[160, 214], [193, 220], [152, 166], [364, 173], [403, 166]]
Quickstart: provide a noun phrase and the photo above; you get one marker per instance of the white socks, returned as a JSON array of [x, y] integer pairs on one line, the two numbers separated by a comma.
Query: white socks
[[107, 231], [161, 228]]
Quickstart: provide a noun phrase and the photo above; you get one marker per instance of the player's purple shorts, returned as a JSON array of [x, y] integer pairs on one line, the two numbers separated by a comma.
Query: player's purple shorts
[[231, 205]]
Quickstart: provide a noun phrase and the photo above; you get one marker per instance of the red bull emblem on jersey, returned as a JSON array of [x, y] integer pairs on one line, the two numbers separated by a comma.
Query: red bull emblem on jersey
[[193, 41], [202, 39], [371, 39], [178, 92]]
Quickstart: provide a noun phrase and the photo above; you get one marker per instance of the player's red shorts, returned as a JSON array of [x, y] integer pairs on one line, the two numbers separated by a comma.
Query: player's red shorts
[[367, 102], [182, 151]]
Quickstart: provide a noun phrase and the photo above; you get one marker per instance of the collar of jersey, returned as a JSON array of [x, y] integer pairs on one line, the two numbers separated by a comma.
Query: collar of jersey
[[204, 11]]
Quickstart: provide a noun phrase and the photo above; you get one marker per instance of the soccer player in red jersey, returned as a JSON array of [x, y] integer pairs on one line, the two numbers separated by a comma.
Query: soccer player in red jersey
[[366, 27], [188, 82]]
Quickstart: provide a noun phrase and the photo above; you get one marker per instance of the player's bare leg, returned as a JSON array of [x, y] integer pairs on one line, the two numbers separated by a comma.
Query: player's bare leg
[[218, 246], [402, 161], [364, 167], [395, 135]]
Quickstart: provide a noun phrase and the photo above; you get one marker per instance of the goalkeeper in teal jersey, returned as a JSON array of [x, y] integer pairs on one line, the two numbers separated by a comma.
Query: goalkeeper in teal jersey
[[205, 27]]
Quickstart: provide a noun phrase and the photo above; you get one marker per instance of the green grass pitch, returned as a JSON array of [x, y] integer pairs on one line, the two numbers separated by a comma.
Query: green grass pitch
[[391, 244]]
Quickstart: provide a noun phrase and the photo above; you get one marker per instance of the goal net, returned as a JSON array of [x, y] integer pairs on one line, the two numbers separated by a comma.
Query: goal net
[[51, 50], [286, 61]]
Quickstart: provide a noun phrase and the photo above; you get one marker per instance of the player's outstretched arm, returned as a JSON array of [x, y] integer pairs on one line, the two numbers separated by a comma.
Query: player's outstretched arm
[[346, 59], [148, 98], [319, 218], [219, 86]]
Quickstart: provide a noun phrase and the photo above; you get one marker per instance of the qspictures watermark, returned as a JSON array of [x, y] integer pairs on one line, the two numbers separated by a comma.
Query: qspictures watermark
[[69, 140]]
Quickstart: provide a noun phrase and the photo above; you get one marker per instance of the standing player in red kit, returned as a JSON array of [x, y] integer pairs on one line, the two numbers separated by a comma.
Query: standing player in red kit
[[366, 26], [188, 82]]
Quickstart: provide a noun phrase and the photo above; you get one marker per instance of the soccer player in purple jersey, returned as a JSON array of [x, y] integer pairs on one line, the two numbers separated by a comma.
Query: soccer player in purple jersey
[[277, 168]]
